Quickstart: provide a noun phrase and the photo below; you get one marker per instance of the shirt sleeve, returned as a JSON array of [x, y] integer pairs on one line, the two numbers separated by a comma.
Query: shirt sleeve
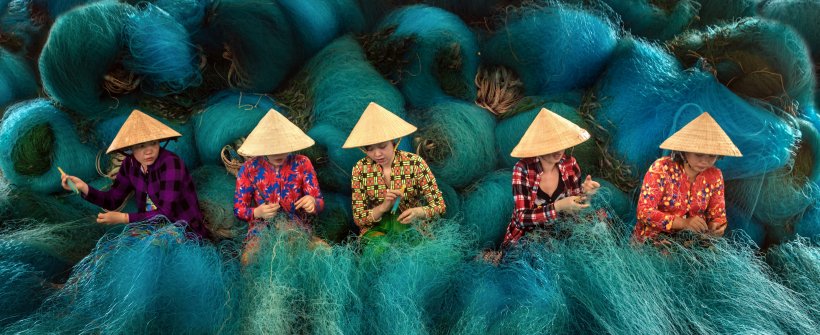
[[114, 197], [427, 181], [361, 215], [310, 185], [575, 178], [172, 200], [654, 183], [716, 209], [243, 202], [527, 213]]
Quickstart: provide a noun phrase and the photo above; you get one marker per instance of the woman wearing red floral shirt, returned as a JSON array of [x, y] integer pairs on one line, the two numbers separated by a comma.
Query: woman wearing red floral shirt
[[546, 181], [685, 191], [275, 180]]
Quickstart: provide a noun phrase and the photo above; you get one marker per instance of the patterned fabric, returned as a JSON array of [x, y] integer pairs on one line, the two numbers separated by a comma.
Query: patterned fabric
[[408, 170], [168, 184], [258, 182], [667, 194], [526, 180]]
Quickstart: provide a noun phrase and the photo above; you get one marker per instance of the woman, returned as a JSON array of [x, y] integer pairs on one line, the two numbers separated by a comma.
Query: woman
[[388, 176], [546, 182], [685, 190], [275, 180], [157, 177]]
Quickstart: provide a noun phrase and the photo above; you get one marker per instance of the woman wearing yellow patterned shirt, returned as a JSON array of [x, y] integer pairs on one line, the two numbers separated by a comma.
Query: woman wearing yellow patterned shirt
[[388, 176]]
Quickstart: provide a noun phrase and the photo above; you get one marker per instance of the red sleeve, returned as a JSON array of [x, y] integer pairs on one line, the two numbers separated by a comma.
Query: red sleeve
[[654, 183], [527, 214]]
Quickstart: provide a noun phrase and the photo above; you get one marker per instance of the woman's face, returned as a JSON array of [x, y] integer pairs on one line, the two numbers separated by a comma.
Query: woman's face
[[700, 162], [381, 153], [278, 159], [551, 158], [146, 153]]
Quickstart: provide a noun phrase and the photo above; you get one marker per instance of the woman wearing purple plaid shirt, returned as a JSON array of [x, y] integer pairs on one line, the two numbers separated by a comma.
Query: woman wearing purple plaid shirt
[[157, 177]]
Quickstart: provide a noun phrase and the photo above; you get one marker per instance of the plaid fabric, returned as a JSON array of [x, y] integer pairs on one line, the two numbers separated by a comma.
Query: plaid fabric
[[168, 184], [666, 194], [410, 171], [526, 178], [258, 182]]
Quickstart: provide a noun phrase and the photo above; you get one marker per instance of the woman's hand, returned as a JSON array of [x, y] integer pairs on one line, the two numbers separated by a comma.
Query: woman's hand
[[412, 214], [308, 203], [570, 204], [112, 218], [265, 211], [79, 183], [695, 224], [590, 186], [390, 197]]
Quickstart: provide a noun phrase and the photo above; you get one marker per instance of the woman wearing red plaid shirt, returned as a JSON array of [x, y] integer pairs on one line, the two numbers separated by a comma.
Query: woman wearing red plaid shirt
[[546, 181], [275, 180], [685, 191]]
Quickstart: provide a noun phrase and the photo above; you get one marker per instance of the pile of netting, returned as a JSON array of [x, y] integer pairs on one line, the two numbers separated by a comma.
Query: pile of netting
[[471, 75]]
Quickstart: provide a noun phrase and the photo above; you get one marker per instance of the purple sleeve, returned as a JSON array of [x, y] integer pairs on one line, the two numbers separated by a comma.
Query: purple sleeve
[[120, 189]]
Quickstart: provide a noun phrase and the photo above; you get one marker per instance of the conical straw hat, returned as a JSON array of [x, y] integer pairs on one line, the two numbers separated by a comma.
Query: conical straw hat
[[548, 133], [704, 136], [274, 135], [377, 125], [141, 128]]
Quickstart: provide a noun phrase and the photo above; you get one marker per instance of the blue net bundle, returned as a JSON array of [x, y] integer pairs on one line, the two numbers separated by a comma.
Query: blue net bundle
[[256, 39], [687, 285], [510, 129], [55, 8], [662, 98], [779, 197], [23, 289], [554, 48], [457, 141], [409, 285], [37, 139], [22, 25], [517, 297], [37, 258], [225, 118], [146, 279], [184, 146], [317, 23], [619, 205], [438, 53], [80, 64], [337, 85], [160, 51], [335, 222], [808, 225], [452, 200], [743, 227], [18, 80], [800, 15], [797, 265], [656, 20], [333, 164], [487, 206], [190, 14], [215, 189], [715, 12], [762, 60], [296, 286]]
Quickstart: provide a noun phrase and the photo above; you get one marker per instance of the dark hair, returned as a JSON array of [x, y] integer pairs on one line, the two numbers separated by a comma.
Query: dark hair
[[395, 142], [679, 157]]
